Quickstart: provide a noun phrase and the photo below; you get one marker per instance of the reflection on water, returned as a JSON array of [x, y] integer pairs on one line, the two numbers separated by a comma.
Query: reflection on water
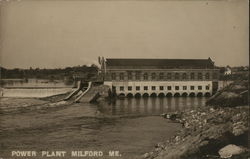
[[152, 106], [80, 127]]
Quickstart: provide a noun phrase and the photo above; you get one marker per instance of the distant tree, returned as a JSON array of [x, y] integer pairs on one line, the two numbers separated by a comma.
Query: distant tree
[[58, 73], [52, 78]]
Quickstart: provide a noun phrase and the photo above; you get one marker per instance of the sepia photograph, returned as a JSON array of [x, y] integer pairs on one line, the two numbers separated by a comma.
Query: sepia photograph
[[124, 79]]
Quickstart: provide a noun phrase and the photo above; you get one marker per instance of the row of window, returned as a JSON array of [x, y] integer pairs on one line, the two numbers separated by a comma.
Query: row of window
[[153, 88], [160, 76]]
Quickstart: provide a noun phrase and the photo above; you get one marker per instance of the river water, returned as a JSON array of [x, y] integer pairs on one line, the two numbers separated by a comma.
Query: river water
[[131, 126]]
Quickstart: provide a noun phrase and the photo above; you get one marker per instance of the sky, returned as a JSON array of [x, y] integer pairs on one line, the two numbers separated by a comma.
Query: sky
[[62, 33]]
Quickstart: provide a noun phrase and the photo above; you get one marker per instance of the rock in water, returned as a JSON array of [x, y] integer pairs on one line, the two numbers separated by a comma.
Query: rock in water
[[239, 128], [146, 155], [230, 150]]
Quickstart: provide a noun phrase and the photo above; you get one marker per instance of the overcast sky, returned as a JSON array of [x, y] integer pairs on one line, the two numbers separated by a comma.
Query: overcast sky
[[60, 33]]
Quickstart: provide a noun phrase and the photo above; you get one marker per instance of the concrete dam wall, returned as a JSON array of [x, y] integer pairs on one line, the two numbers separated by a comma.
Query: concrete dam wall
[[32, 92]]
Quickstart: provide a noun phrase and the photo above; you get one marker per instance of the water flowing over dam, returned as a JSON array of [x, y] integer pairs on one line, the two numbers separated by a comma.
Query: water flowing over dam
[[33, 92], [37, 88]]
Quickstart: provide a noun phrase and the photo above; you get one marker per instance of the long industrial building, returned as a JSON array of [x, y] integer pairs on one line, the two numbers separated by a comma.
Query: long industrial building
[[161, 77]]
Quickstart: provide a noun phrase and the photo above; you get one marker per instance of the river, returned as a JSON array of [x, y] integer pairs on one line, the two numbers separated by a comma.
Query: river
[[131, 126]]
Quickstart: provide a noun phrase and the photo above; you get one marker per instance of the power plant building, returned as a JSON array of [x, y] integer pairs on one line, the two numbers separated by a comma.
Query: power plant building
[[161, 77]]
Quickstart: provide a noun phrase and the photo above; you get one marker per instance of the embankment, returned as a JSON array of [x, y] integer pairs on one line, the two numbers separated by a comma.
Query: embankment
[[233, 95], [216, 131]]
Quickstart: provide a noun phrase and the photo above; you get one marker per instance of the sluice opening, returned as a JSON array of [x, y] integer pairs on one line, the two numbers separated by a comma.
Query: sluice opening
[[169, 95], [145, 95], [207, 94], [161, 95], [199, 94], [192, 94], [121, 95], [129, 95], [177, 95], [184, 94], [137, 95], [153, 95]]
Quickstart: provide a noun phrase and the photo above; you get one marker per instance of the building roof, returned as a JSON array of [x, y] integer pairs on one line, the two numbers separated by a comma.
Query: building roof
[[159, 63]]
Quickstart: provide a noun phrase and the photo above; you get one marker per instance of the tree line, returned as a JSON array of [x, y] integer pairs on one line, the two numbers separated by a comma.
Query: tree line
[[85, 72]]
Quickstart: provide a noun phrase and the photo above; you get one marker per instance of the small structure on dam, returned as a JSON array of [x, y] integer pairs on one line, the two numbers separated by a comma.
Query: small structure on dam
[[160, 77]]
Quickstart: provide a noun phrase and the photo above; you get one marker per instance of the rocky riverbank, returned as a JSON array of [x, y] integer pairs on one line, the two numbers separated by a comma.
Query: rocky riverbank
[[217, 131], [205, 132]]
